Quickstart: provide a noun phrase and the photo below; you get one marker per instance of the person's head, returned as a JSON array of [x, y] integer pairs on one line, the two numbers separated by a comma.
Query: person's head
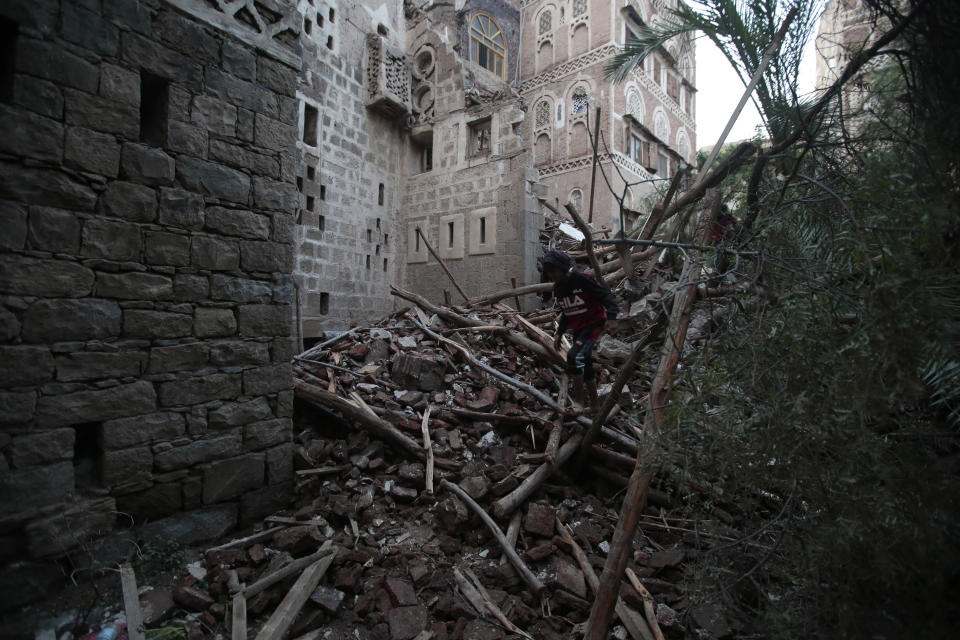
[[556, 265]]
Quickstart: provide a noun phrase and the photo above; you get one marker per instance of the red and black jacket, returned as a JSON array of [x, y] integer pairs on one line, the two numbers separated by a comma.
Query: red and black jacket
[[583, 302]]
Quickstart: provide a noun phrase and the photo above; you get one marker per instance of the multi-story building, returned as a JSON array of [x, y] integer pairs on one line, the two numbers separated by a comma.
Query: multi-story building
[[845, 27], [647, 124]]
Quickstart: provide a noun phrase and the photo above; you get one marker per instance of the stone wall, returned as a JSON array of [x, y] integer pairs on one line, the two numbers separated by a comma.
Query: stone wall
[[147, 191], [349, 172]]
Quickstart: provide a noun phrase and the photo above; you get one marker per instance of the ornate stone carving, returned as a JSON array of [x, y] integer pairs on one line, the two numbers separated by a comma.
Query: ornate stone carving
[[543, 115], [388, 80], [545, 24], [559, 71], [270, 25]]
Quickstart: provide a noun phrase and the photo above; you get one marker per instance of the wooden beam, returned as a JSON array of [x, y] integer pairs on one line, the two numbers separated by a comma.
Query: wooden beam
[[281, 620], [442, 265], [131, 603], [532, 581], [297, 565], [238, 617]]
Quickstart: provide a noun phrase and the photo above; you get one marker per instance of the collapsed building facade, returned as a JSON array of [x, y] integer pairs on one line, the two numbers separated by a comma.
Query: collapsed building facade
[[192, 189]]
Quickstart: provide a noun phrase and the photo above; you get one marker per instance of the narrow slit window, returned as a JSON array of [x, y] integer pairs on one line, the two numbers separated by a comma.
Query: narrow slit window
[[310, 203], [330, 42], [331, 14], [382, 30], [324, 303], [299, 183], [483, 230], [369, 235], [311, 173], [8, 58], [380, 193], [377, 251], [378, 223], [154, 98], [310, 125], [450, 234], [321, 223], [307, 26], [386, 239], [417, 246], [86, 455], [384, 264], [323, 192], [368, 261], [320, 21]]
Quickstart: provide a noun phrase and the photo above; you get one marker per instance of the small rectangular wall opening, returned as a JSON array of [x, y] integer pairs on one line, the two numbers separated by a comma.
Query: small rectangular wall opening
[[330, 42], [311, 173], [87, 455], [417, 248], [380, 194], [378, 223], [369, 235], [368, 261], [384, 264], [331, 14], [377, 250], [307, 26], [299, 183], [321, 223], [323, 192], [154, 99], [480, 138], [310, 203], [324, 303], [483, 231], [382, 29], [386, 239], [450, 229], [310, 125], [8, 58]]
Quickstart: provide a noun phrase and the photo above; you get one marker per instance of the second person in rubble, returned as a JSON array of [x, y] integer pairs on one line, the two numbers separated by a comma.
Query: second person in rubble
[[586, 308]]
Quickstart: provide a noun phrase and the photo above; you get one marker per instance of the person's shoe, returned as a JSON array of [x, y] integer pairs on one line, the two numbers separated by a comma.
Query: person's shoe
[[592, 395], [578, 394]]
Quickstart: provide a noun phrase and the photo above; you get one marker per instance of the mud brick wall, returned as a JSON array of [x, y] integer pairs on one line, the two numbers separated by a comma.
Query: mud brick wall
[[147, 196]]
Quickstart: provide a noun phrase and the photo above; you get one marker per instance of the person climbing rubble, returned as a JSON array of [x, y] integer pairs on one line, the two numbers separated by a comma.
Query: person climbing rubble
[[587, 308]]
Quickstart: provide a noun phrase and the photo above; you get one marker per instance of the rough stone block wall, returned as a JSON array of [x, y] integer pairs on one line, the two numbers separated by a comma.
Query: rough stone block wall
[[147, 192], [350, 178]]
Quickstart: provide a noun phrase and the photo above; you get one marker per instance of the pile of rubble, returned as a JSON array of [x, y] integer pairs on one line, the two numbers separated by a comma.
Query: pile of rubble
[[411, 452]]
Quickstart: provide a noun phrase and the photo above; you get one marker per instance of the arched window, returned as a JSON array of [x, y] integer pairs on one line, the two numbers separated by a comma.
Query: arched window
[[579, 102], [683, 145], [487, 46], [635, 106], [576, 197], [579, 7], [661, 128], [545, 24], [542, 115]]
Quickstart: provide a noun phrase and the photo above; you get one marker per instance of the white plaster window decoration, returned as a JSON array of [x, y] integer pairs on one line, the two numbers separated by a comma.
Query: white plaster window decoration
[[545, 24], [416, 247], [635, 106], [542, 115], [451, 236], [683, 145], [576, 197], [579, 7], [488, 48], [660, 126], [579, 102], [483, 231]]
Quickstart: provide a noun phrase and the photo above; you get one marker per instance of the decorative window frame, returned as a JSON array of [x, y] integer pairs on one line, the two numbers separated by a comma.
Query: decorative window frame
[[633, 91], [549, 124], [682, 138], [577, 85], [659, 113], [471, 39]]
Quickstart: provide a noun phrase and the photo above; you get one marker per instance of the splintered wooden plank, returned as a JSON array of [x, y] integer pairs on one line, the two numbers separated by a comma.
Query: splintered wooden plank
[[279, 623], [238, 628], [131, 603]]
